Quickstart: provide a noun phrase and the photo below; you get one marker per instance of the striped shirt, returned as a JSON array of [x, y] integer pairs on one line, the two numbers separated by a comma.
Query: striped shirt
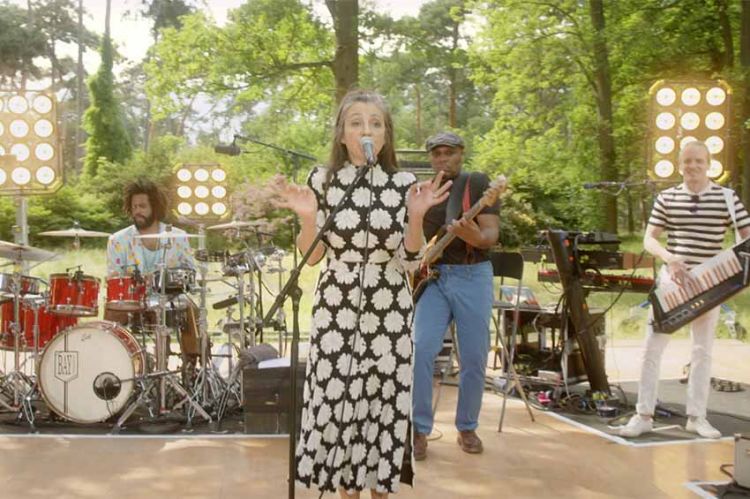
[[696, 223]]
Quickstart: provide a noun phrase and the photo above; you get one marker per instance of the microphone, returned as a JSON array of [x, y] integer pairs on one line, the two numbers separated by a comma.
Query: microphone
[[601, 185], [225, 303], [228, 149], [368, 148]]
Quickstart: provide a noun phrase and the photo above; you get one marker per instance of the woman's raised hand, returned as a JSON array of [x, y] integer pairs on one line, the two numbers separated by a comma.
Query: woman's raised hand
[[298, 198], [426, 194]]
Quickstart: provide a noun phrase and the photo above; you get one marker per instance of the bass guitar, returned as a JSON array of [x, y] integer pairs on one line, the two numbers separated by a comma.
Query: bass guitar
[[426, 273]]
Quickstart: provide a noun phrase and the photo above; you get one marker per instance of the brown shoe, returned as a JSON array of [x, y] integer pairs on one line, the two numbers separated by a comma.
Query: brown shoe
[[469, 442], [420, 446]]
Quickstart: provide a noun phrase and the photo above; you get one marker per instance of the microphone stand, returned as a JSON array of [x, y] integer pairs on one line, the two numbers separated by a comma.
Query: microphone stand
[[293, 290]]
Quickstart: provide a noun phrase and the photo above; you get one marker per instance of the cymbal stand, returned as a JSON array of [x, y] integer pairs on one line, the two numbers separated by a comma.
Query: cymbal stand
[[280, 326], [238, 270], [208, 387], [162, 377]]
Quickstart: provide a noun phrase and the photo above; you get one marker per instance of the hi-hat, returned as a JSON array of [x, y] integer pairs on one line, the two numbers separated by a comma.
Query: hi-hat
[[235, 224], [76, 231], [20, 252], [169, 235]]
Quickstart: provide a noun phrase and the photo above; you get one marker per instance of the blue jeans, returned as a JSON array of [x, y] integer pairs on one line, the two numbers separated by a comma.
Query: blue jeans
[[462, 293]]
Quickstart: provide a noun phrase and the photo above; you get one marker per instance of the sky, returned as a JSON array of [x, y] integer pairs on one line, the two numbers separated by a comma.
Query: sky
[[132, 34]]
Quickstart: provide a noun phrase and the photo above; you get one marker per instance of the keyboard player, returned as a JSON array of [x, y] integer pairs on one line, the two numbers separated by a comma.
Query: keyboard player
[[695, 215]]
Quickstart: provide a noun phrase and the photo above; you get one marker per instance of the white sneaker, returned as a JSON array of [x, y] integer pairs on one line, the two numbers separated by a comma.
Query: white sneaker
[[636, 426], [702, 427]]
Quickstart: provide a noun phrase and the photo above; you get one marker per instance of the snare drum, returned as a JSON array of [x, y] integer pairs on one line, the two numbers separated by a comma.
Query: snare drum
[[178, 280], [49, 324], [74, 294], [127, 293], [86, 373], [29, 285]]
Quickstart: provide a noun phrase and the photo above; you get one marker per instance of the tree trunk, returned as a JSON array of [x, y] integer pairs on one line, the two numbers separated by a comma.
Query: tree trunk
[[607, 165], [453, 76], [726, 33], [345, 14], [78, 136], [418, 124], [745, 101], [106, 17]]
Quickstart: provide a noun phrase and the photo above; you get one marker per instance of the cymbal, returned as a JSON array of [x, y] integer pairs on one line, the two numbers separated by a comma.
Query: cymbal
[[74, 232], [20, 252], [169, 235], [235, 224]]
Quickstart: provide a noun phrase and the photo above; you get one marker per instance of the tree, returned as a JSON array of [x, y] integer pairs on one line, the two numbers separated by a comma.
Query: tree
[[103, 121], [20, 44]]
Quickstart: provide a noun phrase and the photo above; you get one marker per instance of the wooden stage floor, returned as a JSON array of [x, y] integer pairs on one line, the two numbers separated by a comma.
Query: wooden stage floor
[[549, 458]]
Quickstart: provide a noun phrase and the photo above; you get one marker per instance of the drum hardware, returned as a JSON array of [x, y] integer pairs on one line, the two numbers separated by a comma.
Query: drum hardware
[[75, 232], [162, 377]]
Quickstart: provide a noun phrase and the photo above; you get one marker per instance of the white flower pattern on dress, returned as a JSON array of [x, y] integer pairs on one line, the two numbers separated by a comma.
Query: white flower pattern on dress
[[370, 431]]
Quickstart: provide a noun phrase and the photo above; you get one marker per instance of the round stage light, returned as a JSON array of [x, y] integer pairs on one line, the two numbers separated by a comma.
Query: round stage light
[[218, 209], [201, 192], [219, 175], [716, 169], [665, 121], [201, 208], [690, 121], [3, 177], [20, 176], [2, 129], [184, 209], [184, 191], [20, 151], [19, 128], [183, 175], [664, 168], [18, 104], [715, 144], [690, 96], [714, 120], [664, 145], [716, 96], [42, 104], [2, 151], [44, 151], [666, 96], [43, 128], [218, 191], [45, 175], [201, 174]]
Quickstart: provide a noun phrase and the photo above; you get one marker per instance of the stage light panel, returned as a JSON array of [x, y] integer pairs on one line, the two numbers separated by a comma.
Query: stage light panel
[[29, 143], [201, 191], [682, 111]]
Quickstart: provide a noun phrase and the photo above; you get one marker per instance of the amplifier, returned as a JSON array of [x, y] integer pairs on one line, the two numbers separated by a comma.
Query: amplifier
[[267, 398], [742, 459]]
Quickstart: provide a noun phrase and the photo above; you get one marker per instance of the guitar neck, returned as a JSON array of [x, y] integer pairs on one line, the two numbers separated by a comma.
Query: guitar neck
[[436, 250]]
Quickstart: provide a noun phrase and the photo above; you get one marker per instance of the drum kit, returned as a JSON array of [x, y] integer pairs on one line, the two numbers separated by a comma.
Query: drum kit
[[98, 371]]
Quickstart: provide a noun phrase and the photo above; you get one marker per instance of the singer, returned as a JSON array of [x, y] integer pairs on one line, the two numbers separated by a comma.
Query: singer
[[355, 418]]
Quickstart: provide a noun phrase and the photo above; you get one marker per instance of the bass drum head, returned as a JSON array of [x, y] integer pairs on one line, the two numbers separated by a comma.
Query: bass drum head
[[86, 372]]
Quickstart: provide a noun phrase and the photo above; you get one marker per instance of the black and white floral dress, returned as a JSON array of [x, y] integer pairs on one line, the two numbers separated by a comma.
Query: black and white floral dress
[[373, 422]]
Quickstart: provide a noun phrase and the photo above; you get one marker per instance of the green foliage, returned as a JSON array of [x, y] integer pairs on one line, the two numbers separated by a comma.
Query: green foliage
[[108, 138], [20, 44]]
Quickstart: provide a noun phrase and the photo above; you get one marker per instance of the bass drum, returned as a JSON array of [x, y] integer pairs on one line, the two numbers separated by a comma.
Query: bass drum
[[86, 373]]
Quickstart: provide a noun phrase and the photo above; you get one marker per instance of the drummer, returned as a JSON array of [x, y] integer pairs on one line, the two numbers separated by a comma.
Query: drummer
[[146, 204]]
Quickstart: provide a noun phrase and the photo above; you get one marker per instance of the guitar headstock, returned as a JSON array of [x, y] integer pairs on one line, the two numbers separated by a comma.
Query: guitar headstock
[[496, 188]]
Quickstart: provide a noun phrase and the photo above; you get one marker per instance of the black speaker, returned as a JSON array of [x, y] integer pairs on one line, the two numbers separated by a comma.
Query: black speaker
[[268, 398]]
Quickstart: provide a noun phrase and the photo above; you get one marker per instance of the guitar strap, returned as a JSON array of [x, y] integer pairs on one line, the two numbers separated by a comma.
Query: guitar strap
[[459, 202], [470, 257]]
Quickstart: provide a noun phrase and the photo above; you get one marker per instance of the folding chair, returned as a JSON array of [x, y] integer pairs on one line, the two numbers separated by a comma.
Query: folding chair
[[508, 265]]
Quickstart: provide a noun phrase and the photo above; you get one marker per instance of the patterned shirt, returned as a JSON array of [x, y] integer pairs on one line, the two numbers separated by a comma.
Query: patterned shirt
[[125, 252], [696, 222]]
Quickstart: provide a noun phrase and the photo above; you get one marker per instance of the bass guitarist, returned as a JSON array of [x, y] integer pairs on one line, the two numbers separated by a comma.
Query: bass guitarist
[[460, 290]]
